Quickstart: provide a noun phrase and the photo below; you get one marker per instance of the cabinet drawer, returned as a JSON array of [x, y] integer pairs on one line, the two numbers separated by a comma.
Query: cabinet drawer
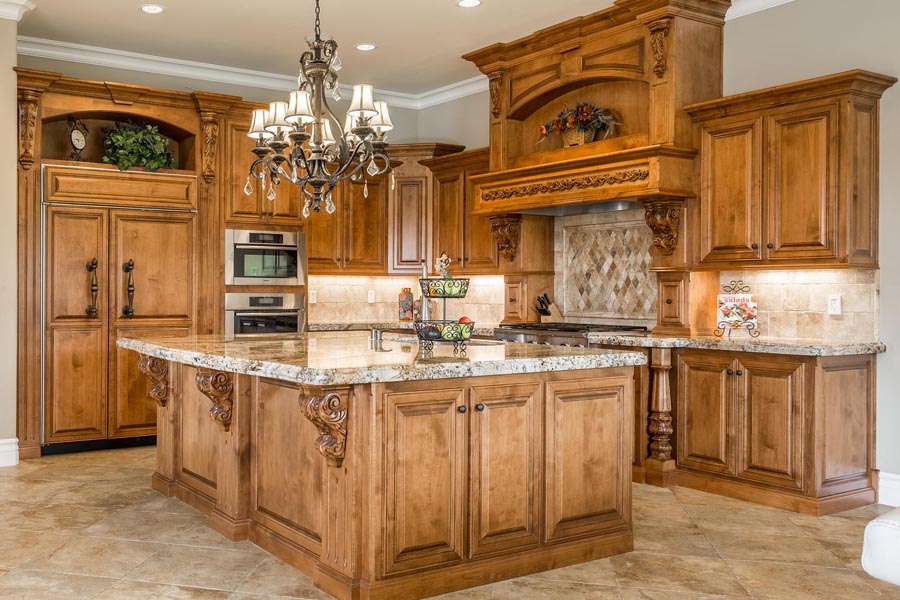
[[514, 308], [671, 308], [115, 188]]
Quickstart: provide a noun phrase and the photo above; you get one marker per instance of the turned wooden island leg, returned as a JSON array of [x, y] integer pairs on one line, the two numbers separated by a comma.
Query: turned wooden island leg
[[659, 468]]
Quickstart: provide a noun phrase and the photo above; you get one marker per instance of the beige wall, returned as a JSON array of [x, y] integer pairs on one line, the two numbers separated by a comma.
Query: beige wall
[[8, 226], [808, 38], [464, 121]]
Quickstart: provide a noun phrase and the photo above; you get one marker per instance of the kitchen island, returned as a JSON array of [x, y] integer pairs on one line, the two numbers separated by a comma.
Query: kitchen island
[[384, 472]]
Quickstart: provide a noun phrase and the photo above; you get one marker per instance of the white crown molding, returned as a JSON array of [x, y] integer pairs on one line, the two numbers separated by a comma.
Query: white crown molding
[[145, 63], [14, 9], [742, 8], [9, 452], [888, 489]]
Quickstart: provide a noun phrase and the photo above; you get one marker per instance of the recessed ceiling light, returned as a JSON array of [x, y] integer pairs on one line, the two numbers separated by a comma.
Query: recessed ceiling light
[[365, 47], [468, 3], [152, 9]]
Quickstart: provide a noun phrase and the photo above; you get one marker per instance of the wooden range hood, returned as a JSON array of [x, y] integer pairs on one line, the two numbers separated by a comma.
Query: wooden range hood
[[644, 60]]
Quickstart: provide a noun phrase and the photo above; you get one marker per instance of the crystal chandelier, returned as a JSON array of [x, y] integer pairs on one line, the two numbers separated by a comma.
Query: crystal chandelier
[[294, 139]]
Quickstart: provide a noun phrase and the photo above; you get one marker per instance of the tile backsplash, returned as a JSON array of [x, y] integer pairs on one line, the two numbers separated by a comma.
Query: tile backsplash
[[793, 303], [343, 299], [602, 264]]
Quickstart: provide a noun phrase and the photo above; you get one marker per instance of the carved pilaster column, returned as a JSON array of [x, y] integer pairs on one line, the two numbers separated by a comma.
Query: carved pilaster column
[[209, 124], [327, 409], [28, 111], [495, 84], [157, 371], [658, 32], [218, 386], [663, 217], [659, 468], [507, 230]]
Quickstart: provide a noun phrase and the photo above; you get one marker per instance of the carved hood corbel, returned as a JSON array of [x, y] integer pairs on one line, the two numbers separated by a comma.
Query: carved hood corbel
[[507, 230], [658, 32], [664, 219], [157, 371], [327, 410], [218, 386]]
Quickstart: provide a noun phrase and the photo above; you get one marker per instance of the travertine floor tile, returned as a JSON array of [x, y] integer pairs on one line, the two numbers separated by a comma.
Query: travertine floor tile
[[197, 567], [122, 474], [22, 584], [18, 546], [779, 548], [10, 508], [94, 556], [204, 536], [100, 495], [144, 526], [538, 589], [683, 541], [750, 519], [597, 572], [631, 594], [137, 590], [58, 518], [661, 512], [479, 593], [157, 503], [275, 578], [35, 492], [675, 573], [801, 582]]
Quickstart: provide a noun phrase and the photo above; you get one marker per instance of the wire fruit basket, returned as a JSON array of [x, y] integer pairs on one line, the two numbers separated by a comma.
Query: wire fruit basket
[[444, 331]]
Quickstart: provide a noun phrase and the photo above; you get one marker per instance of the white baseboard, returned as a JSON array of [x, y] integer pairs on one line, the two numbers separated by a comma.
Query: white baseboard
[[888, 489], [9, 452]]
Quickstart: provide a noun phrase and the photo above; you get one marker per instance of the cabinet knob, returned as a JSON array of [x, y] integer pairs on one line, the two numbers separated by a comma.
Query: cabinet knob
[[459, 260], [770, 245], [479, 407], [668, 301], [462, 409], [739, 373], [730, 372], [754, 246]]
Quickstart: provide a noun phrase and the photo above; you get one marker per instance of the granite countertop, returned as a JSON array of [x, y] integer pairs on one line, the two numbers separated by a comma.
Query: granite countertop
[[742, 343], [384, 325], [348, 357]]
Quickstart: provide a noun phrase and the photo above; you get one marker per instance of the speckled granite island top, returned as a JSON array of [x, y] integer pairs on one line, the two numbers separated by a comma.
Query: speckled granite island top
[[348, 357], [741, 344]]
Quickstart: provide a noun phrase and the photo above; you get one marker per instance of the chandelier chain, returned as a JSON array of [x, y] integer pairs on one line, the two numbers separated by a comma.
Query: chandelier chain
[[318, 23]]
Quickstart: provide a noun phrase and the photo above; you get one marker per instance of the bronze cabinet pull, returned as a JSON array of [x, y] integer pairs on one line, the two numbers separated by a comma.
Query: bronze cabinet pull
[[461, 409], [91, 310], [128, 310], [479, 407]]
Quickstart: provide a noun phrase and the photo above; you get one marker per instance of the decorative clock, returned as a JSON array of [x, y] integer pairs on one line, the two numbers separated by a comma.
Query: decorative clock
[[78, 133]]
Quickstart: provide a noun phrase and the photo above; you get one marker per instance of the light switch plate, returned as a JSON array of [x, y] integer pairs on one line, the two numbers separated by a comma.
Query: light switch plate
[[370, 297], [313, 296], [834, 304]]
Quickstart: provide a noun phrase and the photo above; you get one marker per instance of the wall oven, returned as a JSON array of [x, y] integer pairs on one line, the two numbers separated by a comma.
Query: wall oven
[[260, 314], [264, 257]]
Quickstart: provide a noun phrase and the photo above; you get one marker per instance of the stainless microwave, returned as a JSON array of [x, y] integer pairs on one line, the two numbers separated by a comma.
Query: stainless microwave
[[264, 257], [264, 314]]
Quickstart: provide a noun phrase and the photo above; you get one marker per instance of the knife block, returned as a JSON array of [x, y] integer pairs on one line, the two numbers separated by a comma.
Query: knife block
[[554, 317]]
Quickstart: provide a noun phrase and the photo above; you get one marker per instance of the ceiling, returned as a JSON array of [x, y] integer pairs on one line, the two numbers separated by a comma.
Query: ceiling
[[419, 41]]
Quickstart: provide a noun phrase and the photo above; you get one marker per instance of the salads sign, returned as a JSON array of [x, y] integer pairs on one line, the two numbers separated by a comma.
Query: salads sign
[[736, 311]]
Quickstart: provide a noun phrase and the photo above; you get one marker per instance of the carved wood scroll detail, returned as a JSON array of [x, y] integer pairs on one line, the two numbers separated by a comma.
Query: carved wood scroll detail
[[661, 406], [210, 126], [664, 218], [507, 230], [28, 109], [566, 185], [494, 82], [328, 412], [157, 371], [658, 31], [218, 387]]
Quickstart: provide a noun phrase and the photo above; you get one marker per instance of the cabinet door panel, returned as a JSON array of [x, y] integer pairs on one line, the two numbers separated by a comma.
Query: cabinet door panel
[[448, 215], [480, 253], [75, 236], [238, 205], [771, 414], [75, 383], [162, 248], [588, 457], [506, 442], [365, 226], [801, 190], [706, 399], [408, 225], [731, 184], [324, 246], [425, 473]]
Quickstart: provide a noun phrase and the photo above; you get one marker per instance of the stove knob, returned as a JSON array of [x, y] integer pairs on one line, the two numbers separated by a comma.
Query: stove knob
[[546, 344], [566, 345], [579, 345]]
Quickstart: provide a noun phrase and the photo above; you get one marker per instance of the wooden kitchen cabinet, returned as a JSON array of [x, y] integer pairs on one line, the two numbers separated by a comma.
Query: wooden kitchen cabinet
[[789, 175], [92, 389], [788, 431]]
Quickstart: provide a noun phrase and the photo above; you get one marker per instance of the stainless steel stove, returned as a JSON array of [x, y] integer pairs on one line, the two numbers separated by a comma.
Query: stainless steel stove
[[557, 334]]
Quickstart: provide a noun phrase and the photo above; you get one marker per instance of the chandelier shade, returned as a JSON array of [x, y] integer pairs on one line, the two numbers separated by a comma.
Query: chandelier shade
[[296, 142]]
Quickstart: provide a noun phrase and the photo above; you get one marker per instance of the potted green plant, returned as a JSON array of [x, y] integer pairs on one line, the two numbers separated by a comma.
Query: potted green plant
[[579, 125], [133, 145]]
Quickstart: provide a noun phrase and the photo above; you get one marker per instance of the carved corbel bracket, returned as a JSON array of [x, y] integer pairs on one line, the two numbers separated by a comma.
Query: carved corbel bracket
[[157, 371], [327, 410], [495, 83], [209, 123], [658, 32], [507, 230], [664, 218], [28, 111], [218, 387]]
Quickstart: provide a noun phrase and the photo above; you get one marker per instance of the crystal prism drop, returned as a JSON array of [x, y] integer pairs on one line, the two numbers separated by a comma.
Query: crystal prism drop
[[305, 211], [248, 189], [329, 204], [393, 182], [372, 169], [366, 190], [271, 194], [336, 62], [262, 183], [336, 93]]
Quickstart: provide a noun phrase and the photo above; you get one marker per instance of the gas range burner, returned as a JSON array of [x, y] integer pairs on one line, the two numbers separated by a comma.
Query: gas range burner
[[557, 334], [569, 327]]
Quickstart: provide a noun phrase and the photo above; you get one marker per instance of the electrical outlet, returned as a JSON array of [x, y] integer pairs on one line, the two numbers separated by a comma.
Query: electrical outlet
[[370, 297], [313, 296], [834, 304]]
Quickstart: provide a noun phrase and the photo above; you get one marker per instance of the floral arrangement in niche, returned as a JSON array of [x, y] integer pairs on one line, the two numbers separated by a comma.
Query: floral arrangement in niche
[[131, 145], [579, 125]]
